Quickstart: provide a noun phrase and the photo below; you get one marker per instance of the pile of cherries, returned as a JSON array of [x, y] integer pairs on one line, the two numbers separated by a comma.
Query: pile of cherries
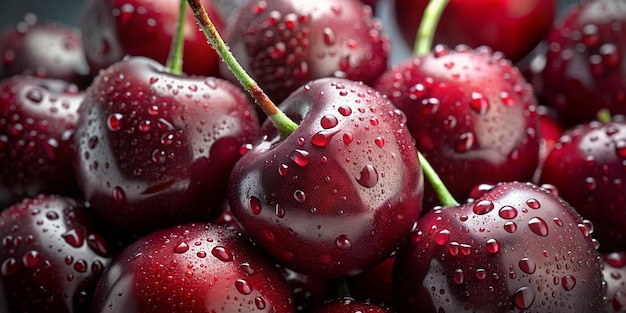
[[484, 173]]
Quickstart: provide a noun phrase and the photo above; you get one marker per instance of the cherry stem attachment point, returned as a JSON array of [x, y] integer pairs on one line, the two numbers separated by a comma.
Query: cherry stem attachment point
[[444, 195], [175, 57], [428, 26], [604, 116], [284, 125]]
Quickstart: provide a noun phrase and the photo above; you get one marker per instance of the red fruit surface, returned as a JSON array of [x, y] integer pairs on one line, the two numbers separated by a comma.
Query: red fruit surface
[[513, 27], [585, 69], [518, 248], [614, 273], [51, 256], [472, 115], [156, 149], [587, 167], [350, 305], [283, 44], [340, 193], [112, 29], [200, 268], [37, 120]]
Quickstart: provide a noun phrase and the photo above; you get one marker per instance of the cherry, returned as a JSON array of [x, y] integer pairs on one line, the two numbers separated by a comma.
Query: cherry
[[584, 65], [47, 49], [283, 44], [614, 273], [51, 256], [350, 162], [192, 268], [156, 149], [37, 119], [113, 29], [471, 113], [587, 167], [308, 291], [350, 305], [301, 189], [511, 27], [517, 248], [375, 284]]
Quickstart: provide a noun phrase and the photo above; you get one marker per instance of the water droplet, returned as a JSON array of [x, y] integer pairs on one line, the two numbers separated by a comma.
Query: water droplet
[[153, 79], [342, 242], [442, 237], [81, 266], [31, 258], [9, 267], [74, 238], [379, 141], [345, 110], [507, 99], [52, 215], [620, 148], [119, 196], [323, 138], [510, 227], [222, 253], [280, 211], [458, 276], [610, 55], [524, 298], [527, 265], [255, 205], [299, 196], [369, 176], [114, 122], [429, 106], [568, 282], [480, 274], [493, 246], [538, 226], [590, 35], [283, 170], [483, 207], [35, 95], [243, 286], [348, 138], [97, 243], [329, 36], [533, 203], [181, 248], [301, 157], [479, 103], [260, 303], [464, 143], [328, 121], [507, 212]]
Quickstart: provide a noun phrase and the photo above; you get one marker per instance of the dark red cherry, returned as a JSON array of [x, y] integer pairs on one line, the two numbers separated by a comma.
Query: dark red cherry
[[518, 248], [614, 273], [38, 117], [340, 193], [154, 148], [350, 305], [51, 256], [112, 29], [284, 44], [192, 268]]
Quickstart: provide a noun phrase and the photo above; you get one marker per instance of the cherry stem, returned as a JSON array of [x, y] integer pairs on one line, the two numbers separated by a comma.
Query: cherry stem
[[342, 288], [444, 195], [604, 116], [284, 125], [175, 57], [428, 26]]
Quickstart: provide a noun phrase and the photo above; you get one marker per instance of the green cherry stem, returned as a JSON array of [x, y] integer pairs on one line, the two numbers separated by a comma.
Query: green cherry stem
[[175, 57], [444, 195], [284, 125], [428, 26], [604, 116]]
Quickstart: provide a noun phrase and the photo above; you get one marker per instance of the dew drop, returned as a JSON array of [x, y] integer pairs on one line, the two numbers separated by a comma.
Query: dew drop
[[283, 170], [255, 205], [181, 248], [35, 95], [300, 157], [323, 138], [9, 267], [345, 110], [458, 276], [119, 196], [369, 176], [464, 143], [442, 237], [493, 246], [260, 303], [31, 259], [510, 227], [568, 282], [348, 138], [524, 297], [98, 245], [222, 253], [479, 103], [328, 121], [329, 36], [483, 207], [507, 212], [506, 99], [533, 203], [114, 122], [81, 266], [243, 286], [538, 226], [342, 242], [379, 141], [74, 238], [527, 265], [299, 196]]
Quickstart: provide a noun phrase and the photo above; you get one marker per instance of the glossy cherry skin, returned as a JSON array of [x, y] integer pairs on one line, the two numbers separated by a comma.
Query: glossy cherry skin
[[518, 248], [350, 305], [340, 193], [513, 27], [37, 120], [584, 69], [112, 29], [200, 268], [51, 256], [155, 149], [587, 168], [472, 115], [614, 273], [284, 44], [44, 49]]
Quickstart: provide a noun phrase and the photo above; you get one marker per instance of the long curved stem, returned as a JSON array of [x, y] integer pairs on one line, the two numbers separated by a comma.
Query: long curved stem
[[284, 125], [428, 26], [175, 57]]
